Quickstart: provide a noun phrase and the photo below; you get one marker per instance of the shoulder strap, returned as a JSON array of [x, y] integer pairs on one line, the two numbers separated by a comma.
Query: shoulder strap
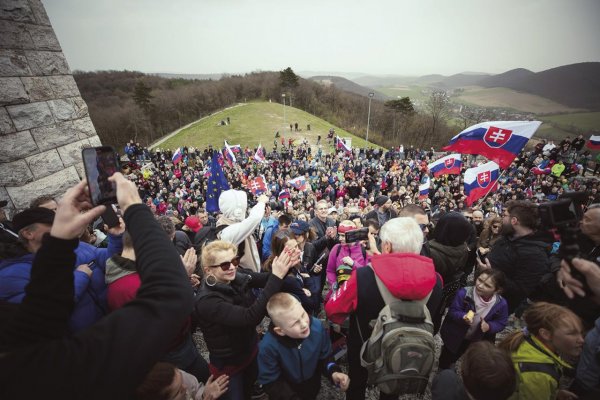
[[549, 369], [387, 296]]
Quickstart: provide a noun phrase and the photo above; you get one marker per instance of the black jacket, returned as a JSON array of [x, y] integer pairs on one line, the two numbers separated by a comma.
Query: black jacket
[[524, 261], [111, 358], [228, 315], [322, 242]]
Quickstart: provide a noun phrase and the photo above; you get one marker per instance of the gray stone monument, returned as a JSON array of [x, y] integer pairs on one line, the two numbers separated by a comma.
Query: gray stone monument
[[44, 122]]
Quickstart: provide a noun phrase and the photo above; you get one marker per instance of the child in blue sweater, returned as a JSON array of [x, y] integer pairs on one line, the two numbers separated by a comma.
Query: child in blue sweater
[[295, 352]]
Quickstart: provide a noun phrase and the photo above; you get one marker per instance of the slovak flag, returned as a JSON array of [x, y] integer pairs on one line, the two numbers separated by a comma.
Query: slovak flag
[[177, 156], [236, 148], [499, 141], [424, 188], [259, 156], [229, 156], [257, 185], [448, 165], [480, 181], [298, 183], [343, 146], [594, 142]]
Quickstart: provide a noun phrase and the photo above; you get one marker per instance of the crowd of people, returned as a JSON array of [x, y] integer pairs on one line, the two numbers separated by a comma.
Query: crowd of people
[[291, 285]]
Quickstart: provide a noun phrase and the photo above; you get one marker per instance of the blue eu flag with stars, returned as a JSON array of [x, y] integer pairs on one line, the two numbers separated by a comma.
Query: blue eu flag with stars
[[217, 183]]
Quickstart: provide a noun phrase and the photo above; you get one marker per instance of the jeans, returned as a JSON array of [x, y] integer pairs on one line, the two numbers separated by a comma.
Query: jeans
[[240, 384]]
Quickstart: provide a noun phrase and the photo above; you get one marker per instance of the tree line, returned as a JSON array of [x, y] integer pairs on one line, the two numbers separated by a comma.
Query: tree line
[[129, 105]]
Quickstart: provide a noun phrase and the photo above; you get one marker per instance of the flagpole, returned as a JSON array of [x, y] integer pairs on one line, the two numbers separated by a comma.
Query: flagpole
[[489, 190]]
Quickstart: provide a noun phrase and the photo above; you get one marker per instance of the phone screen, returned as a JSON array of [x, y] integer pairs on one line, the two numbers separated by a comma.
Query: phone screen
[[100, 163]]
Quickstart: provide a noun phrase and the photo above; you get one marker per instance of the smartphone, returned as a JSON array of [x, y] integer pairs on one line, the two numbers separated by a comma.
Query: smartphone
[[357, 235], [110, 217], [100, 163]]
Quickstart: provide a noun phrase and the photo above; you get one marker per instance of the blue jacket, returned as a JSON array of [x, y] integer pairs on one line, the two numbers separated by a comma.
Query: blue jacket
[[271, 226], [294, 361], [588, 368], [90, 292], [454, 328]]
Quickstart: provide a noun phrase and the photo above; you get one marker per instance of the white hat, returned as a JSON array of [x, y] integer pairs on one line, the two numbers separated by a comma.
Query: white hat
[[332, 210]]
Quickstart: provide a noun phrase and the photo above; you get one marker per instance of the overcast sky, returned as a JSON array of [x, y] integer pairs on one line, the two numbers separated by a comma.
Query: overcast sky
[[400, 37]]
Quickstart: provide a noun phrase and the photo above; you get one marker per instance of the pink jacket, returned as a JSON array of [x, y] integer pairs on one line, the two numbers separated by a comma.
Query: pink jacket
[[353, 250]]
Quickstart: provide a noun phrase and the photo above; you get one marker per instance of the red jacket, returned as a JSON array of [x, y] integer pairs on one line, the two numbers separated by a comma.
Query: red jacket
[[407, 276]]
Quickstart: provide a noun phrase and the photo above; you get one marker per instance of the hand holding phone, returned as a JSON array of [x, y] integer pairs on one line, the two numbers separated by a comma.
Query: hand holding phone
[[100, 163]]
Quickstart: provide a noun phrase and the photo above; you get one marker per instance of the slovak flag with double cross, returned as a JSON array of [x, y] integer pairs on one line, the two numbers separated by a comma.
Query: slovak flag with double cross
[[480, 181], [257, 185], [498, 141], [447, 165], [298, 183]]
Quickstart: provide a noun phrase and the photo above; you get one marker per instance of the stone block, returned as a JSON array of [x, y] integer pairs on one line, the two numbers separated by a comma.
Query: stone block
[[45, 163], [43, 37], [15, 173], [39, 12], [12, 91], [62, 109], [47, 63], [95, 141], [53, 136], [32, 115], [16, 146], [38, 88], [54, 185], [80, 170], [13, 63], [84, 127], [81, 108], [70, 154], [6, 125], [15, 35], [16, 10], [63, 86]]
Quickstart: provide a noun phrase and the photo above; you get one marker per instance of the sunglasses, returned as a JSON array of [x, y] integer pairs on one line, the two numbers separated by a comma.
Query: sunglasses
[[227, 264], [424, 226]]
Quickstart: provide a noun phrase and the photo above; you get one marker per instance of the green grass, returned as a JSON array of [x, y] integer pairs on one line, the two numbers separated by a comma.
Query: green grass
[[254, 123], [412, 91], [509, 99], [584, 121]]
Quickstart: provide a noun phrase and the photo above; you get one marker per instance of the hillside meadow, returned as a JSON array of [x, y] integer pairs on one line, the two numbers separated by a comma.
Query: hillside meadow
[[252, 124]]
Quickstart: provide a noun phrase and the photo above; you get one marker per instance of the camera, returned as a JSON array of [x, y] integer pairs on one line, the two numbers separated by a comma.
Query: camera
[[357, 235], [564, 215]]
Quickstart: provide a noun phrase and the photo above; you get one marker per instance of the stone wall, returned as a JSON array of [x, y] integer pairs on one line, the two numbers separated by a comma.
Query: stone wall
[[44, 122]]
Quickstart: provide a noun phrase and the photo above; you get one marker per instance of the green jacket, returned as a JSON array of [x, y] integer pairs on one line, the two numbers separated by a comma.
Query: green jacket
[[538, 371]]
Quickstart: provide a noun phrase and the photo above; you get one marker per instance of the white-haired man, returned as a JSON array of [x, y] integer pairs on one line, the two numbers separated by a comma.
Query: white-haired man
[[405, 273]]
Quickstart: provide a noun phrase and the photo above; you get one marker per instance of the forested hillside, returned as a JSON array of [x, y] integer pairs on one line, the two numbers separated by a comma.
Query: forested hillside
[[127, 105]]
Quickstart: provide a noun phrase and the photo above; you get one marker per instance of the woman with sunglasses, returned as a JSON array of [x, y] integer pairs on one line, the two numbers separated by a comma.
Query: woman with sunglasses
[[489, 235], [227, 312]]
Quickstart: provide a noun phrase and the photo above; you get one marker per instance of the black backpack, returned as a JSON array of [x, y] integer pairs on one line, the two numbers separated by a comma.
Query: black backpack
[[205, 236]]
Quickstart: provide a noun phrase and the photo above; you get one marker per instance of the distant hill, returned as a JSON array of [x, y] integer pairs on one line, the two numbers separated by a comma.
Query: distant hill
[[575, 85], [383, 81], [349, 86], [190, 76], [461, 80]]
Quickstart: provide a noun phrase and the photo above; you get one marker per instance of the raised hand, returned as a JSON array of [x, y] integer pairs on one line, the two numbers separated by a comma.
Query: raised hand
[[70, 220]]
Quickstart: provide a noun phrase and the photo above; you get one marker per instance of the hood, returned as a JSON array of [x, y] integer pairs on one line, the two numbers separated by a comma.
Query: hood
[[233, 204], [407, 276], [118, 267], [452, 253]]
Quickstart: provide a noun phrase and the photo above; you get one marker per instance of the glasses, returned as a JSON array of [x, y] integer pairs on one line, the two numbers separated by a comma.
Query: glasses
[[227, 264], [495, 227], [424, 227]]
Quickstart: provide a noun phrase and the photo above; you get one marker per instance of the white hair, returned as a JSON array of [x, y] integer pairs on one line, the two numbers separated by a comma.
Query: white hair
[[404, 234]]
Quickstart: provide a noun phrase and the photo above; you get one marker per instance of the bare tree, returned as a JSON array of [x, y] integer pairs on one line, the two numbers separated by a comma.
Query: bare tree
[[438, 108]]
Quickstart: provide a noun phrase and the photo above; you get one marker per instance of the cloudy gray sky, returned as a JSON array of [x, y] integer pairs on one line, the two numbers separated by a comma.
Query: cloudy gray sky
[[403, 37]]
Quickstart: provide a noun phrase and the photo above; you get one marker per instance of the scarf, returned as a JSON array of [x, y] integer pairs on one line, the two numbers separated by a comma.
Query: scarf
[[482, 309]]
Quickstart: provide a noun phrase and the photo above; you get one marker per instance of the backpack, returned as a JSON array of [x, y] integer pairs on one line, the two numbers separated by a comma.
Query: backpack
[[400, 353], [210, 235]]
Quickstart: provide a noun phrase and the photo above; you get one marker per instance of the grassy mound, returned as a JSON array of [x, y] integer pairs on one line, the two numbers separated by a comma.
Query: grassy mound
[[251, 124]]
